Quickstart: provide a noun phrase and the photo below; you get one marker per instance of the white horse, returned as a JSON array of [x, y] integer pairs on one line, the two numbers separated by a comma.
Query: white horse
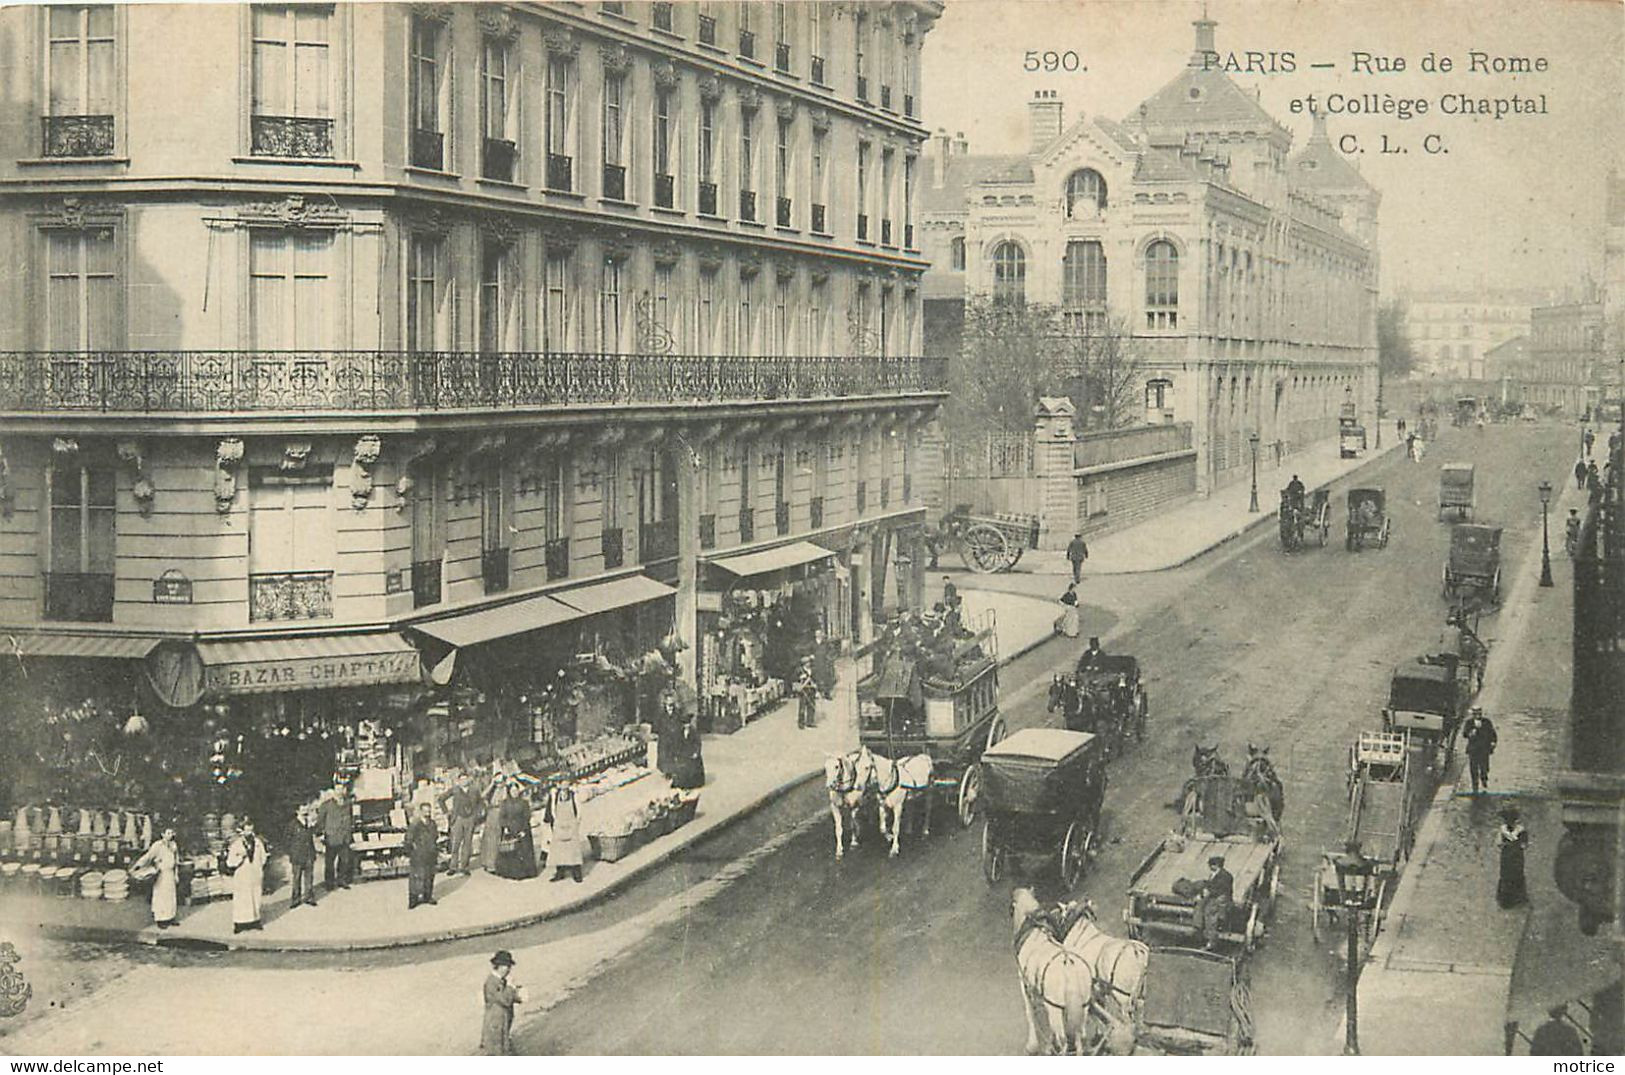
[[894, 784], [1118, 965], [846, 785], [1056, 983]]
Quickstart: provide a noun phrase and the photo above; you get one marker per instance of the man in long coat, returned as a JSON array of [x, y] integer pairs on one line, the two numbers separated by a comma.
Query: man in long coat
[[338, 828], [423, 855], [500, 996], [302, 859], [1479, 736]]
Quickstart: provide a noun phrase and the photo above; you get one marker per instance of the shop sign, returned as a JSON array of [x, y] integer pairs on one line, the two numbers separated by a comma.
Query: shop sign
[[313, 673], [395, 581], [172, 588]]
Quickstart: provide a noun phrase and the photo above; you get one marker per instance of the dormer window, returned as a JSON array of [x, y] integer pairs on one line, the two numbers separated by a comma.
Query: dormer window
[[1085, 192]]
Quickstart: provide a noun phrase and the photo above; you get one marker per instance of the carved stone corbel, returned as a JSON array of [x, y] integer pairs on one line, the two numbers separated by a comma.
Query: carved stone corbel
[[408, 481], [499, 229], [710, 87], [710, 258], [750, 263], [750, 98], [616, 58], [131, 454], [368, 448], [665, 75], [561, 41], [440, 13], [784, 270], [786, 108], [666, 252], [295, 455], [228, 458], [497, 23], [820, 119]]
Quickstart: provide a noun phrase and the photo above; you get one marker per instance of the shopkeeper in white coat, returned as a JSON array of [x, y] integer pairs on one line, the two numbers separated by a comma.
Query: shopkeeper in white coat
[[245, 860], [161, 862]]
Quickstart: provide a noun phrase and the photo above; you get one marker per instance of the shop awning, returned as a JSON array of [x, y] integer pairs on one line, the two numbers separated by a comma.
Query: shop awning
[[260, 666], [472, 628], [616, 593], [115, 647], [794, 554]]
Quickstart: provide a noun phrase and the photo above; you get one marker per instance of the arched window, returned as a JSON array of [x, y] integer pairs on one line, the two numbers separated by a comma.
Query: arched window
[[1083, 286], [1009, 274], [1161, 285], [1085, 192], [956, 253]]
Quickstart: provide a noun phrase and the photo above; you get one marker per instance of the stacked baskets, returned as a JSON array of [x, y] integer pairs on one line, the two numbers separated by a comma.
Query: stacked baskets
[[116, 885]]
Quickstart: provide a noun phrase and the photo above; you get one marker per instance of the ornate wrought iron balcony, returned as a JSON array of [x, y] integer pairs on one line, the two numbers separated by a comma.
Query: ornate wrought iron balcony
[[782, 217], [818, 70], [708, 531], [499, 159], [657, 541], [557, 554], [747, 44], [708, 30], [560, 172], [425, 583], [615, 182], [662, 16], [304, 382], [290, 595], [708, 198], [291, 136], [747, 205], [428, 150], [781, 57], [78, 597], [665, 191], [614, 547], [494, 569], [76, 136]]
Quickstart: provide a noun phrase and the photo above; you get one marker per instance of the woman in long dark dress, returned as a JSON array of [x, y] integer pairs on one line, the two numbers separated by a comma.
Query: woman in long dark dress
[[1512, 839], [517, 859], [689, 768], [491, 834]]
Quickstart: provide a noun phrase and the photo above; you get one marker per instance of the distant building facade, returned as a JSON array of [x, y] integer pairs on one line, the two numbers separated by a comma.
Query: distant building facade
[[1451, 330], [1566, 356]]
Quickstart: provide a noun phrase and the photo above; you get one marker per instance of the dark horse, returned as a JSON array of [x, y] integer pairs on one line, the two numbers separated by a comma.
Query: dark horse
[[1205, 761], [1067, 695], [1260, 775]]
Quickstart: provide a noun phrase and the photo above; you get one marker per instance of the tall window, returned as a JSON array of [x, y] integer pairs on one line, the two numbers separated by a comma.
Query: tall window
[[428, 534], [493, 518], [820, 154], [888, 168], [664, 307], [956, 252], [82, 292], [83, 70], [82, 519], [745, 326], [559, 87], [860, 34], [290, 302], [291, 110], [705, 311], [665, 187], [609, 307], [887, 298], [1085, 192], [614, 126], [708, 157], [863, 190], [1083, 293], [291, 543], [1161, 285], [781, 316], [817, 307], [558, 303], [493, 297], [908, 201], [747, 150], [422, 293], [611, 491], [781, 162], [496, 106], [817, 39], [1009, 274], [430, 92]]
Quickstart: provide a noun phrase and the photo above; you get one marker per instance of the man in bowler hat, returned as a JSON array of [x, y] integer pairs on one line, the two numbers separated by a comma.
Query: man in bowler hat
[[496, 1027]]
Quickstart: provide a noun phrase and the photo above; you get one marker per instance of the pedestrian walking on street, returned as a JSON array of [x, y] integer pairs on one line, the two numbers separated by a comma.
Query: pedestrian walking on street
[[1512, 842], [1571, 532], [338, 828], [1556, 1036], [161, 862], [1579, 473], [500, 995], [1479, 736], [245, 861], [807, 693], [1410, 446], [1077, 551], [563, 818], [422, 856], [950, 592], [302, 858], [462, 808], [1590, 438], [1067, 623]]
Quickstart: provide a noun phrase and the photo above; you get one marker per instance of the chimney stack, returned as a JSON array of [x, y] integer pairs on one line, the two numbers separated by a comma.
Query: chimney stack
[[1204, 42], [941, 147], [1044, 112]]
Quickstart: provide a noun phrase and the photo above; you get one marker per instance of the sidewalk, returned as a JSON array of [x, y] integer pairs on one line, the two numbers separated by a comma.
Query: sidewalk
[[1440, 978], [763, 761], [1181, 534]]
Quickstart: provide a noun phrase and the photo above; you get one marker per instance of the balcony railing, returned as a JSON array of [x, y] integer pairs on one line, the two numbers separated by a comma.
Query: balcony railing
[[782, 213], [425, 583], [781, 57], [662, 16], [657, 541], [908, 105], [708, 30], [79, 598], [863, 89], [820, 223], [818, 70], [885, 493], [290, 595], [708, 198], [665, 191], [494, 569], [614, 547], [747, 205], [885, 96], [173, 382], [557, 555], [747, 524], [708, 531], [885, 232], [428, 150], [781, 517], [862, 497], [615, 182], [499, 159], [290, 136], [815, 513], [747, 44], [863, 225], [76, 136], [560, 172]]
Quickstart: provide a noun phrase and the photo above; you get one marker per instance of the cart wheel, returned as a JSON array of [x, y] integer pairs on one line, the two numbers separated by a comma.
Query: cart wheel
[[1495, 586], [970, 795], [1144, 711], [996, 731], [1074, 855], [1382, 539], [1317, 905], [984, 549], [1250, 941], [992, 857]]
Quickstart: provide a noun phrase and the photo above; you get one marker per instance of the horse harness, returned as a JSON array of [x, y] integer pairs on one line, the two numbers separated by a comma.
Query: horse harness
[[896, 778], [1039, 921]]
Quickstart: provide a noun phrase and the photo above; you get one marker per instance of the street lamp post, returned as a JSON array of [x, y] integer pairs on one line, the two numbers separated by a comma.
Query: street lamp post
[[1353, 872], [1545, 488], [1252, 439]]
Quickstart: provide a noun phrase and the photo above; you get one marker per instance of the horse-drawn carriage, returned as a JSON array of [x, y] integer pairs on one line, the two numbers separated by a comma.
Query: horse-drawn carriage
[[1304, 516], [1196, 1004], [1426, 699], [1369, 522], [1382, 803], [1103, 696], [989, 543], [1474, 567], [1222, 817], [1456, 492], [1042, 793]]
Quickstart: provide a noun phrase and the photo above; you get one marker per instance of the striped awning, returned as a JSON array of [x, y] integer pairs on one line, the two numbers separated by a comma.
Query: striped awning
[[112, 647], [543, 610], [616, 593], [744, 565], [315, 662]]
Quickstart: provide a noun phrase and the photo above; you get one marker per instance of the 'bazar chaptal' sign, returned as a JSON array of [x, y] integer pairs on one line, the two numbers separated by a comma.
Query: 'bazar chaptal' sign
[[295, 673]]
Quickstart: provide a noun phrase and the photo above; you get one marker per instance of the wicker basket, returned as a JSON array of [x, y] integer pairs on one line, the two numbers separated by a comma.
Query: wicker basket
[[685, 811], [612, 847]]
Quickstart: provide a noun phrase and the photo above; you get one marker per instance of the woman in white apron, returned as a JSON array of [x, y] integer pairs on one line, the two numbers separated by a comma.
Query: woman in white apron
[[246, 858], [1067, 622], [564, 821], [161, 862]]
